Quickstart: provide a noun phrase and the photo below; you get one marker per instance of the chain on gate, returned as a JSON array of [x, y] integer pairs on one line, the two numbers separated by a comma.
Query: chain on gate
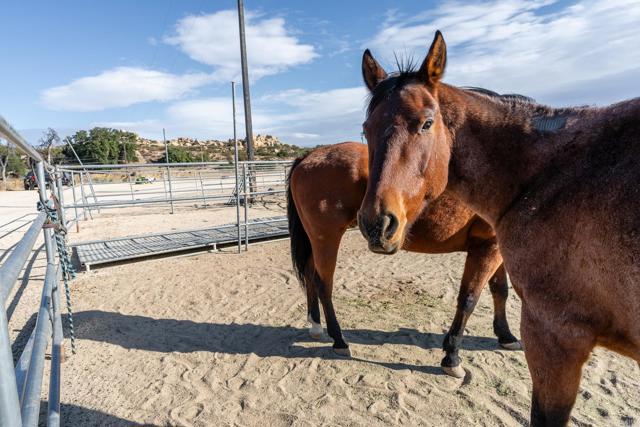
[[68, 271]]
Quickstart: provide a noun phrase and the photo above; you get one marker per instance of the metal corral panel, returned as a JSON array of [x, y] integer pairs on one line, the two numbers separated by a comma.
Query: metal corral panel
[[106, 251]]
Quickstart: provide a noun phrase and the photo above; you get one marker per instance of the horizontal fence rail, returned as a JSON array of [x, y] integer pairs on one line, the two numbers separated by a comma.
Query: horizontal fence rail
[[12, 135]]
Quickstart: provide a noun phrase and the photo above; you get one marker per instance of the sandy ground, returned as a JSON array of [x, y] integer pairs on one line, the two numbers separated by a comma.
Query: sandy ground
[[220, 339]]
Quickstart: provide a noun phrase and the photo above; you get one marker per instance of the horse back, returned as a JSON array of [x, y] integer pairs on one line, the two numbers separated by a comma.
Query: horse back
[[328, 186]]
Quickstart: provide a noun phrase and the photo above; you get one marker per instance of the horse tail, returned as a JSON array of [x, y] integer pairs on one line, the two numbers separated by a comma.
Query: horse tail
[[301, 249]]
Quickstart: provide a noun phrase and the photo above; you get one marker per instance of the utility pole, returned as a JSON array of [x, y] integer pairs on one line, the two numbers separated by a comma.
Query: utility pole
[[245, 83], [235, 164]]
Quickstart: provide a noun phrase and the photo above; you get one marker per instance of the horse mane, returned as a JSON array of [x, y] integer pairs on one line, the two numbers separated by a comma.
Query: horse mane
[[408, 72], [542, 117], [508, 97]]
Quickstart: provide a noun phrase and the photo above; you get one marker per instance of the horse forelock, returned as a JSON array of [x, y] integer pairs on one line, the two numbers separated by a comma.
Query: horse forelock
[[388, 86]]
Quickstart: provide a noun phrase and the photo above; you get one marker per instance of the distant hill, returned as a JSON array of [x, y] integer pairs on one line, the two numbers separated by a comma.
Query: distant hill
[[267, 147]]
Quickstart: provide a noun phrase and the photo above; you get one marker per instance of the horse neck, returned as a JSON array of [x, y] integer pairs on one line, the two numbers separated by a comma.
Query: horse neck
[[494, 154]]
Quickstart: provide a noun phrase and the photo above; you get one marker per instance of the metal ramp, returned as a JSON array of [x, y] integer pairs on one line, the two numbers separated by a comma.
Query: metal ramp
[[127, 248]]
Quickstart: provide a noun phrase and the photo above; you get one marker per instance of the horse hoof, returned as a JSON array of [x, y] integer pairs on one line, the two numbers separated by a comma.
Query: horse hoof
[[517, 345], [315, 334], [454, 371], [315, 330], [344, 352]]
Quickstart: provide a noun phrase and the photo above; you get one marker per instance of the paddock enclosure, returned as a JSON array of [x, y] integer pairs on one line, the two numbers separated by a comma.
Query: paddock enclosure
[[241, 204]]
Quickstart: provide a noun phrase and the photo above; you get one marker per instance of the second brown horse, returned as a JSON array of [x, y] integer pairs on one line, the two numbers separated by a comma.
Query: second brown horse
[[326, 188]]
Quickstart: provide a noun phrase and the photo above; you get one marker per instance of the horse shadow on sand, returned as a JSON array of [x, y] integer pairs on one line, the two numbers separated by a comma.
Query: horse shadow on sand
[[185, 336]]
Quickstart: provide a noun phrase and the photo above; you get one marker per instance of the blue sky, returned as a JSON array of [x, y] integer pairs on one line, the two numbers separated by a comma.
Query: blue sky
[[145, 65]]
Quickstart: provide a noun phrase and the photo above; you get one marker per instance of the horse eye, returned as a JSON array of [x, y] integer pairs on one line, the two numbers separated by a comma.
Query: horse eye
[[427, 124]]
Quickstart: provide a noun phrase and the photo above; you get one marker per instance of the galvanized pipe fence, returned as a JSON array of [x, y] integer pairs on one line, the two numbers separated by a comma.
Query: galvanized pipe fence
[[21, 385], [203, 184]]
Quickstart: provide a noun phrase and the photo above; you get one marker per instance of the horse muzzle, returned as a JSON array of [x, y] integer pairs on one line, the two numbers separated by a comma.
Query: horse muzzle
[[381, 231]]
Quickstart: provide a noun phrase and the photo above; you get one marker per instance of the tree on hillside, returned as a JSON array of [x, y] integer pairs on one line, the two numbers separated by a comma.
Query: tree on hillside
[[48, 141], [10, 162], [102, 145], [179, 155], [4, 160]]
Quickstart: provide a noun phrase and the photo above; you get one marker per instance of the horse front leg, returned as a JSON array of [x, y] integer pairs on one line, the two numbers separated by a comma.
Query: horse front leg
[[555, 352], [483, 258], [499, 286]]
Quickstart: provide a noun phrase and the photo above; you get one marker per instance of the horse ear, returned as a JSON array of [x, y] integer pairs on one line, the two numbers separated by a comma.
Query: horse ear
[[434, 64], [372, 72]]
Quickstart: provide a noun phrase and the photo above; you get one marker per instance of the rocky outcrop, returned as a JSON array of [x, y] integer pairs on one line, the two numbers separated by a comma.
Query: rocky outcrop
[[150, 150]]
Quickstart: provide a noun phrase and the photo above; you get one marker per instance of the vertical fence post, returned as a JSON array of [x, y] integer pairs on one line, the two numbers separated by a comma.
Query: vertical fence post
[[166, 150], [170, 188], [164, 186], [84, 197], [53, 417], [9, 402], [235, 163], [204, 197], [75, 200], [246, 206], [60, 195], [30, 406], [130, 184]]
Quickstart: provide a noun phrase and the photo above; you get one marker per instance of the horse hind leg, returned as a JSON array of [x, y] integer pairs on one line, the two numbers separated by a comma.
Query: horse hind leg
[[499, 286], [325, 264], [482, 261], [313, 306]]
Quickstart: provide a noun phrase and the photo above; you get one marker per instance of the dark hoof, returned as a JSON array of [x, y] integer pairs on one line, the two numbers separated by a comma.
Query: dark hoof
[[315, 333], [315, 330], [516, 345], [454, 371], [342, 352]]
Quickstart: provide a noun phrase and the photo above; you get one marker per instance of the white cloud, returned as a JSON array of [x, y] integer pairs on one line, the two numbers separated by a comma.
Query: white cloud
[[213, 40], [296, 116], [528, 47], [320, 105], [302, 135], [141, 127], [121, 87]]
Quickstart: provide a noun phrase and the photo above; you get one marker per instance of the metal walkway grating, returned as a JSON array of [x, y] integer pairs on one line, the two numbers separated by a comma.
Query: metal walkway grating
[[126, 248]]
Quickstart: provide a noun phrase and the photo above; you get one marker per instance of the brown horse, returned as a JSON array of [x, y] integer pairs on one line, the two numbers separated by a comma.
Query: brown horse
[[559, 187], [319, 215]]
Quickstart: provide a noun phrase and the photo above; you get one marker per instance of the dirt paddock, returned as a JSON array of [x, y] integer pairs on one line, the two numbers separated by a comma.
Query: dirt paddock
[[220, 339]]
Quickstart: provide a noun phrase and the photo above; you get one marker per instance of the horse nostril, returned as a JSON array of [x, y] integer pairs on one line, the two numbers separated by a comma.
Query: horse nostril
[[392, 226]]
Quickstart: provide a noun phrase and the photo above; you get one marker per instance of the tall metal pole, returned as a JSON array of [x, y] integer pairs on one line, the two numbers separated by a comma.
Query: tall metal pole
[[235, 162], [166, 152], [245, 83], [166, 149]]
